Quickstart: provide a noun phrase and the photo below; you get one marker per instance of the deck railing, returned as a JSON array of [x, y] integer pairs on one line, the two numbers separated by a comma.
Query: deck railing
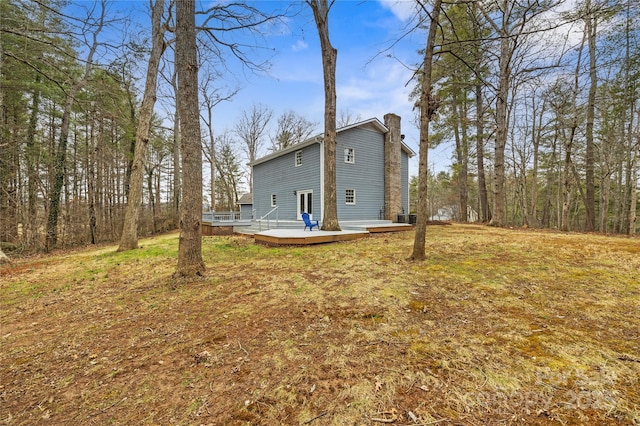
[[221, 216], [268, 218]]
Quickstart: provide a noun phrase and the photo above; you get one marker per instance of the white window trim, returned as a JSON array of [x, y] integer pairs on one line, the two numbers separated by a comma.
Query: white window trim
[[354, 197], [353, 155], [297, 156], [274, 200]]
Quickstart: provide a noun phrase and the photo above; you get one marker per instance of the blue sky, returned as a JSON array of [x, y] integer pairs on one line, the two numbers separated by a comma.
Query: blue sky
[[373, 69], [369, 82]]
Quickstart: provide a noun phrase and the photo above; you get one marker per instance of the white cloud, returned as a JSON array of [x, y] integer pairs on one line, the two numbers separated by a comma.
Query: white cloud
[[299, 45], [404, 10], [382, 82]]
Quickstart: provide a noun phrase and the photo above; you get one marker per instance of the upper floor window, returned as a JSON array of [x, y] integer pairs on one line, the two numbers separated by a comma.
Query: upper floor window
[[350, 196], [349, 155], [298, 157]]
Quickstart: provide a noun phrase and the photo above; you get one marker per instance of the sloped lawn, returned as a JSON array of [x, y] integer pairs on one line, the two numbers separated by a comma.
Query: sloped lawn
[[498, 326]]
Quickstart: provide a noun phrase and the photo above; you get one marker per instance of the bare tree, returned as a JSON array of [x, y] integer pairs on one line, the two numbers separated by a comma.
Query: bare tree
[[635, 188], [478, 67], [177, 167], [292, 128], [251, 129], [511, 22], [321, 10], [428, 106], [591, 22], [229, 172], [129, 237], [190, 261], [211, 98], [569, 140], [348, 117]]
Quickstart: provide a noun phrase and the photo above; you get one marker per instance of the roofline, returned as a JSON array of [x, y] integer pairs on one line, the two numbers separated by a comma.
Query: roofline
[[384, 129], [411, 153], [318, 139], [377, 123], [296, 147]]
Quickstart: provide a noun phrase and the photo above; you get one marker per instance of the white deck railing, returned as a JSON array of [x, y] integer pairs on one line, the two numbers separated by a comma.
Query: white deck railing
[[221, 216], [268, 216]]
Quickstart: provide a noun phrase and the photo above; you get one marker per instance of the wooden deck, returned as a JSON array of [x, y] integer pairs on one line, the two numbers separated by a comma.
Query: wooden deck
[[394, 227], [288, 237]]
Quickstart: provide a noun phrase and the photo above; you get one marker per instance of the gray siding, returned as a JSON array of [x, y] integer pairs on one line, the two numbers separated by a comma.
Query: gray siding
[[366, 176], [246, 211], [279, 176]]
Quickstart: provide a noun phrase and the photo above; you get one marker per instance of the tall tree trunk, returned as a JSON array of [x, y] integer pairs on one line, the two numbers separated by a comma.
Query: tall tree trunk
[[61, 150], [31, 228], [428, 107], [129, 237], [548, 205], [462, 151], [329, 57], [210, 154], [482, 181], [590, 205], [633, 206], [536, 134], [568, 166], [190, 261], [177, 169], [566, 181], [212, 171], [152, 201], [90, 144], [498, 217], [633, 146], [515, 18], [605, 192], [59, 168]]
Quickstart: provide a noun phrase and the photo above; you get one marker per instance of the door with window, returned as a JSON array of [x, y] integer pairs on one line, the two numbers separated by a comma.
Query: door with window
[[305, 203]]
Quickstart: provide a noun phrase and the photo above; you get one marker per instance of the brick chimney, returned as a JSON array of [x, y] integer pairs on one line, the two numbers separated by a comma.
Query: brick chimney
[[392, 172]]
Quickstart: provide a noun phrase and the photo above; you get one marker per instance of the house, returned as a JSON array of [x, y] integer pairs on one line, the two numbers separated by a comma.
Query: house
[[453, 213], [245, 204], [372, 175]]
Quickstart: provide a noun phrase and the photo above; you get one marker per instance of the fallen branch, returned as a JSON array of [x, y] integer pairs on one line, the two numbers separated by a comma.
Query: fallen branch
[[628, 358], [380, 420], [243, 348], [391, 419], [104, 410], [324, 413]]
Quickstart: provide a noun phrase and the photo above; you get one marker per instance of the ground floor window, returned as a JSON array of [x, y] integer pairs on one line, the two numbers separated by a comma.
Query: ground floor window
[[350, 196]]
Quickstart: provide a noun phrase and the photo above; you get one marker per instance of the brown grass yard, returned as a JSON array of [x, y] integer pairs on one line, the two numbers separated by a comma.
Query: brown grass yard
[[497, 327]]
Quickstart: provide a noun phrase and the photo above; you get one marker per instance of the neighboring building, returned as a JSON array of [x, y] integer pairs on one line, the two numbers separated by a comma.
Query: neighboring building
[[245, 203], [449, 213], [372, 175]]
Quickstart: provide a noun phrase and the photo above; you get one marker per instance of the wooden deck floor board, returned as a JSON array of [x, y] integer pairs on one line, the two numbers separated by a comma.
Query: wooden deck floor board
[[300, 237]]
